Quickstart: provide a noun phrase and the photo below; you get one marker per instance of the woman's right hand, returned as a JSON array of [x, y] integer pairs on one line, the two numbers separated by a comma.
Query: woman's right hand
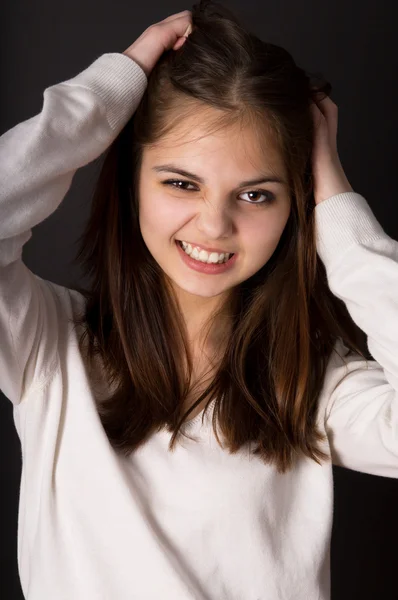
[[159, 37]]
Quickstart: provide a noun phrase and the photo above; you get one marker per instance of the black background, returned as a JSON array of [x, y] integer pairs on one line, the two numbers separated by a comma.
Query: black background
[[354, 45]]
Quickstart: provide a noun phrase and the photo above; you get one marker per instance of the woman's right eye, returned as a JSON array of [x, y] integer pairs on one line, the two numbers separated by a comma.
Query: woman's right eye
[[172, 182]]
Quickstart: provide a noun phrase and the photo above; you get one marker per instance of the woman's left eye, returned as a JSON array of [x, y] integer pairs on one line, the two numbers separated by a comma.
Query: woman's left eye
[[270, 197]]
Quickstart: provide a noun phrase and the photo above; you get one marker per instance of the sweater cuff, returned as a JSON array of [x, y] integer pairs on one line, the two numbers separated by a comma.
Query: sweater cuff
[[119, 81], [342, 221]]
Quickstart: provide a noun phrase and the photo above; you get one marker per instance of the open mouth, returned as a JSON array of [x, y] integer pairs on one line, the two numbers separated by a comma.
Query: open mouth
[[205, 262]]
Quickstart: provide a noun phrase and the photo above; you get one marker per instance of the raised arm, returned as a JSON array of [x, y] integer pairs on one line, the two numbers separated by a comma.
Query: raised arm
[[79, 119]]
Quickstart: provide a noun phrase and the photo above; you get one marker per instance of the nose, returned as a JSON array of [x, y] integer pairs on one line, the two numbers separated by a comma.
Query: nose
[[214, 221]]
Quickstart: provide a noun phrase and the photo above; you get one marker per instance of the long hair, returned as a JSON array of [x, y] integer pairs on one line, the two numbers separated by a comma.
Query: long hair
[[286, 320]]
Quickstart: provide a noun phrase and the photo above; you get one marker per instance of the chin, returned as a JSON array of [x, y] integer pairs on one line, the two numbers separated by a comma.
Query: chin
[[203, 290]]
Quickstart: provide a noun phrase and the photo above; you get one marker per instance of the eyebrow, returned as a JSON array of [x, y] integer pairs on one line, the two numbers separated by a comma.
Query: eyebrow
[[174, 169]]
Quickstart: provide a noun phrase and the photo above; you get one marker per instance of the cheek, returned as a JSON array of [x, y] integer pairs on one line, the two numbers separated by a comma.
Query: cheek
[[262, 237], [160, 214]]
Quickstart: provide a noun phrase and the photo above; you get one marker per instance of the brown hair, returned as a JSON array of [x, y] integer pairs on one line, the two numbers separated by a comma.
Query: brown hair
[[285, 318]]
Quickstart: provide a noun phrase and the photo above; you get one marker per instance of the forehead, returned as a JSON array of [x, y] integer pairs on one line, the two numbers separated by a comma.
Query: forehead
[[198, 141]]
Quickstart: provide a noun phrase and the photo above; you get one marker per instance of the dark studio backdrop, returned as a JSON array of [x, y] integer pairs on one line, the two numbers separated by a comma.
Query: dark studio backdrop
[[353, 44]]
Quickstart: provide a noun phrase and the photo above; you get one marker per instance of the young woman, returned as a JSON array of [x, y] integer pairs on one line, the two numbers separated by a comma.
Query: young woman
[[233, 268]]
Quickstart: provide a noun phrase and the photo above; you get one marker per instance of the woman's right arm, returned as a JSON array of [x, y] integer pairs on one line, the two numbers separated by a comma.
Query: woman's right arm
[[79, 119]]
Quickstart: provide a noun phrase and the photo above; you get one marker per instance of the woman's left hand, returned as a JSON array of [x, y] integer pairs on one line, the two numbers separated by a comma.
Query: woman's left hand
[[328, 173]]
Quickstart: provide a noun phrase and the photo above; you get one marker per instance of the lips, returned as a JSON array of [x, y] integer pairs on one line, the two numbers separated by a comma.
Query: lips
[[205, 267]]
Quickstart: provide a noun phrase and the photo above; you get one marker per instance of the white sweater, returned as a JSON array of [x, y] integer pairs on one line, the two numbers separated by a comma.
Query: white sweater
[[197, 523]]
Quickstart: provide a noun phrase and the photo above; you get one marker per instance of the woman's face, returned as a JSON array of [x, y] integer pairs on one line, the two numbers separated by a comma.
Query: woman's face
[[212, 207]]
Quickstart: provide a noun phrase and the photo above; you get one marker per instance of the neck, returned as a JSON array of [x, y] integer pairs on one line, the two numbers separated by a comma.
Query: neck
[[207, 321]]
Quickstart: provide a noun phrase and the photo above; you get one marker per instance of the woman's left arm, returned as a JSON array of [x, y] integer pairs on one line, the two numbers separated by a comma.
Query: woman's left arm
[[361, 262]]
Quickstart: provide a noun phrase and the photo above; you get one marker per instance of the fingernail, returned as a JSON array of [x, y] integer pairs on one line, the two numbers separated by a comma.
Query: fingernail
[[188, 30]]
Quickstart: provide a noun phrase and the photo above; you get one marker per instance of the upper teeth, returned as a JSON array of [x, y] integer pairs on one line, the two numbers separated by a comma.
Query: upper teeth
[[203, 256]]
